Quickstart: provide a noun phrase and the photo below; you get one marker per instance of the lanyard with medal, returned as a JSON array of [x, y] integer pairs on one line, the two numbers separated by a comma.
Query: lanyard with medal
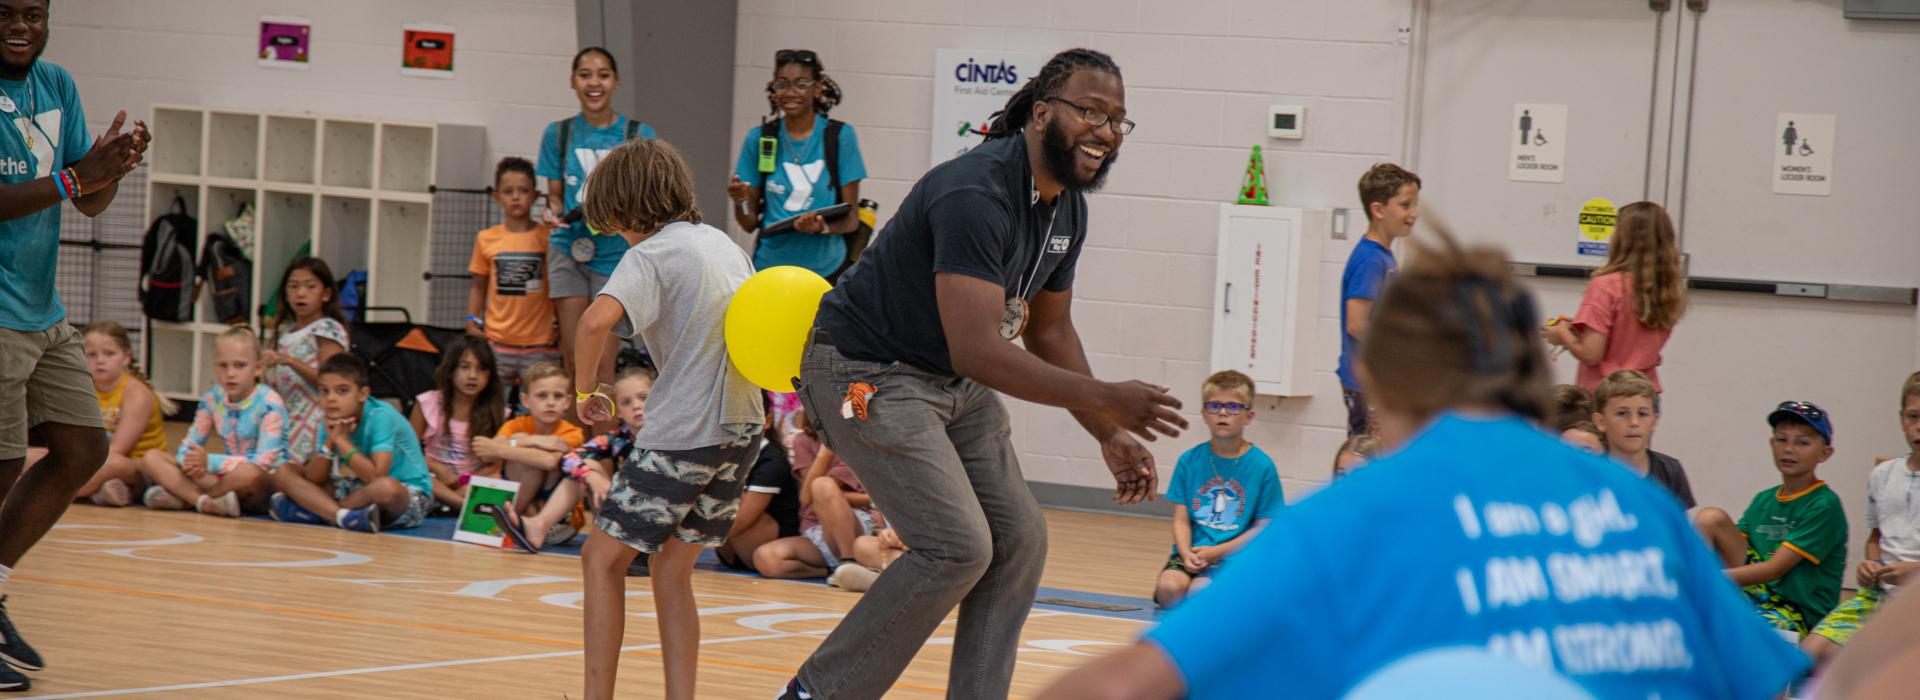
[[8, 106], [1013, 320]]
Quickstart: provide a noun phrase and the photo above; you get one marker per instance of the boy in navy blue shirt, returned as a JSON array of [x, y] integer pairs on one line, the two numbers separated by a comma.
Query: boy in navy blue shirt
[[1223, 490], [1390, 197]]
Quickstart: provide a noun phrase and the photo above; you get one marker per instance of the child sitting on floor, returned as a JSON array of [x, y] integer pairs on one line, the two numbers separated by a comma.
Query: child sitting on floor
[[1223, 491], [834, 510], [132, 411], [590, 467], [367, 473], [247, 415], [1789, 549], [528, 449], [466, 402]]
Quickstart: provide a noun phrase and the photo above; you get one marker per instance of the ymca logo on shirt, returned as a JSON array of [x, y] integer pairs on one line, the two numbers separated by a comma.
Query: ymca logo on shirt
[[1218, 504], [802, 178], [44, 144], [589, 158]]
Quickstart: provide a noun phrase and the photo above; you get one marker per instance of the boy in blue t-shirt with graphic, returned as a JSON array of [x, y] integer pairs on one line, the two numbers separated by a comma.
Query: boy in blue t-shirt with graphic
[[1223, 491], [1390, 197], [370, 461]]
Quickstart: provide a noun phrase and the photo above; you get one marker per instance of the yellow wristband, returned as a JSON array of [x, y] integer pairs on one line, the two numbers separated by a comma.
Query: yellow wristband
[[580, 396]]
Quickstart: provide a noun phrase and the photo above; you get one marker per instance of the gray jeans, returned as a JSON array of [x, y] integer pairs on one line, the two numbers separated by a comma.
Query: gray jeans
[[935, 452]]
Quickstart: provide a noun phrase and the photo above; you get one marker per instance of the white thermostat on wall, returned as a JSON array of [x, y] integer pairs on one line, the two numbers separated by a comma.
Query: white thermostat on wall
[[1287, 122]]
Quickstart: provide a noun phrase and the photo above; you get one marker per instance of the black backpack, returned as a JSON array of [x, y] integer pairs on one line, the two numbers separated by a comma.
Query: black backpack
[[229, 274], [858, 239], [166, 265]]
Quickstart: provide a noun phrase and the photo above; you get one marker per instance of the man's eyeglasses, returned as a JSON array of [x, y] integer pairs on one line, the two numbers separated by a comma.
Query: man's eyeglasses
[[1096, 118], [1228, 408], [803, 85]]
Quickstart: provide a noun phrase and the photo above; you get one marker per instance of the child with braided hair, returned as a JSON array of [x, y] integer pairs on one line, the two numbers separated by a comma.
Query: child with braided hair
[[797, 163]]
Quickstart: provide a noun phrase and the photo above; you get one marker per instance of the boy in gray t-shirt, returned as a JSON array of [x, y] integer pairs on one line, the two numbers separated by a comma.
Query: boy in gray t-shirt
[[678, 489]]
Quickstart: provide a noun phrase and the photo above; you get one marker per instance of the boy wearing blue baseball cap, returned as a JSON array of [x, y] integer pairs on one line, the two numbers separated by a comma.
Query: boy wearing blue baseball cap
[[1789, 549]]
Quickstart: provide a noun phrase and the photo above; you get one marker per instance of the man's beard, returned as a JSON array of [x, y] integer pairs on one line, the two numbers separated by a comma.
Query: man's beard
[[1062, 162], [28, 66]]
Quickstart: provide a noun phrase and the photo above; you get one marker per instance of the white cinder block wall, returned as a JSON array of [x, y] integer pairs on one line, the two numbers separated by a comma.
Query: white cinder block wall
[[1200, 76], [510, 77]]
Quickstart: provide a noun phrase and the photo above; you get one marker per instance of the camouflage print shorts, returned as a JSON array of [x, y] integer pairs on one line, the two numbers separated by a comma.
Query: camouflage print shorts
[[690, 494]]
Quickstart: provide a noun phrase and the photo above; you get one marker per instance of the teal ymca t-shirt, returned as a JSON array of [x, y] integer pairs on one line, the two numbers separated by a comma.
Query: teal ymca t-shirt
[[1489, 534], [383, 429], [797, 184], [30, 245], [1224, 497], [586, 145]]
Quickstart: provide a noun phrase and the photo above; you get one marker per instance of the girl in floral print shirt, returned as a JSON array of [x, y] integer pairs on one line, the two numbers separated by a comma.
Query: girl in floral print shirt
[[310, 331]]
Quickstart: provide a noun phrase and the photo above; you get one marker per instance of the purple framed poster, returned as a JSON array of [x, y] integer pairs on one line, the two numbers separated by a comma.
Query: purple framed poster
[[284, 41]]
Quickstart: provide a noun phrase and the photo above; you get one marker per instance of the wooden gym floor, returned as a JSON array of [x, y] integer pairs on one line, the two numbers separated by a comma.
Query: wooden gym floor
[[126, 602]]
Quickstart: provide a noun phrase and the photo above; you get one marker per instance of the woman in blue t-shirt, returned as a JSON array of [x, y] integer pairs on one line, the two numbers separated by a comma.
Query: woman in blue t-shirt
[[789, 175], [579, 262], [1479, 540]]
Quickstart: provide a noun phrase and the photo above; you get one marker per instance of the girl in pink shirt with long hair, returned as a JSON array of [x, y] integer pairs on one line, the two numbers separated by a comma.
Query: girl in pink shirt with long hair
[[1633, 302]]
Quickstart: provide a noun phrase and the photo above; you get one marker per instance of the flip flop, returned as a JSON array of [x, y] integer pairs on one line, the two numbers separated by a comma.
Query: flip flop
[[506, 525]]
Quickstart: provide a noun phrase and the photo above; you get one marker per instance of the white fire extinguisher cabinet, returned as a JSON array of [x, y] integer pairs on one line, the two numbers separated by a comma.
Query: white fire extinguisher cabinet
[[1269, 295]]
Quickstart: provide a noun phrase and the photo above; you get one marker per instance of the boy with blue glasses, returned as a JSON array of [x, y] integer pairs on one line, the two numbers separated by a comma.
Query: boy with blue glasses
[[1223, 490]]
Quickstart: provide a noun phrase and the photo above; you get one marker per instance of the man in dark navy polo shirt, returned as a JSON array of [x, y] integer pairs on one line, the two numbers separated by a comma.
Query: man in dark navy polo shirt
[[906, 358]]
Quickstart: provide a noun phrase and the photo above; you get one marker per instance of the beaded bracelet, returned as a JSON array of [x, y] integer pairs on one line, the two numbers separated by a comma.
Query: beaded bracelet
[[73, 182]]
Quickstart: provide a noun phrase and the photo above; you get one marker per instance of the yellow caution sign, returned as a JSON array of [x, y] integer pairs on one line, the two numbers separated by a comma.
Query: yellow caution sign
[[1596, 226]]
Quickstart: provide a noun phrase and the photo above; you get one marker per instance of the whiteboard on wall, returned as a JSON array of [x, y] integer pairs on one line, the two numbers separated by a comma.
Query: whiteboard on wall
[[1483, 62], [1863, 72]]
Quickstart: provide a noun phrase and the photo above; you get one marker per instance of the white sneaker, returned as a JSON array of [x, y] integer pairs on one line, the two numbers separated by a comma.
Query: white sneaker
[[227, 506], [158, 498], [853, 577], [113, 494]]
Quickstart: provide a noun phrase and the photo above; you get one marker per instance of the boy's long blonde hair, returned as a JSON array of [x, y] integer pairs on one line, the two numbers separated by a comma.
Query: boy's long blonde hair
[[1644, 247], [639, 187]]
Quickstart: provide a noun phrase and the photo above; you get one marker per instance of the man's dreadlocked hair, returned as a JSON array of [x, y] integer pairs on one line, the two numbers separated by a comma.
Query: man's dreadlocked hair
[[1047, 83], [829, 95]]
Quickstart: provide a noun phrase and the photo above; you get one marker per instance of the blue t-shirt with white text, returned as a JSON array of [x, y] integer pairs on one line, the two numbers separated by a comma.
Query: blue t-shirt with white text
[[1486, 533], [797, 184], [587, 144], [30, 245], [1366, 273], [1224, 497]]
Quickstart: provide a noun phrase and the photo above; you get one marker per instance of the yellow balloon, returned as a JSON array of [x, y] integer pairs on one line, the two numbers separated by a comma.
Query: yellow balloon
[[768, 321]]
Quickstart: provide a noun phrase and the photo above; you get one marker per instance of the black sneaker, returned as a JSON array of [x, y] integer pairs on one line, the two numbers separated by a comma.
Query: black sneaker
[[13, 649], [793, 691], [12, 681]]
